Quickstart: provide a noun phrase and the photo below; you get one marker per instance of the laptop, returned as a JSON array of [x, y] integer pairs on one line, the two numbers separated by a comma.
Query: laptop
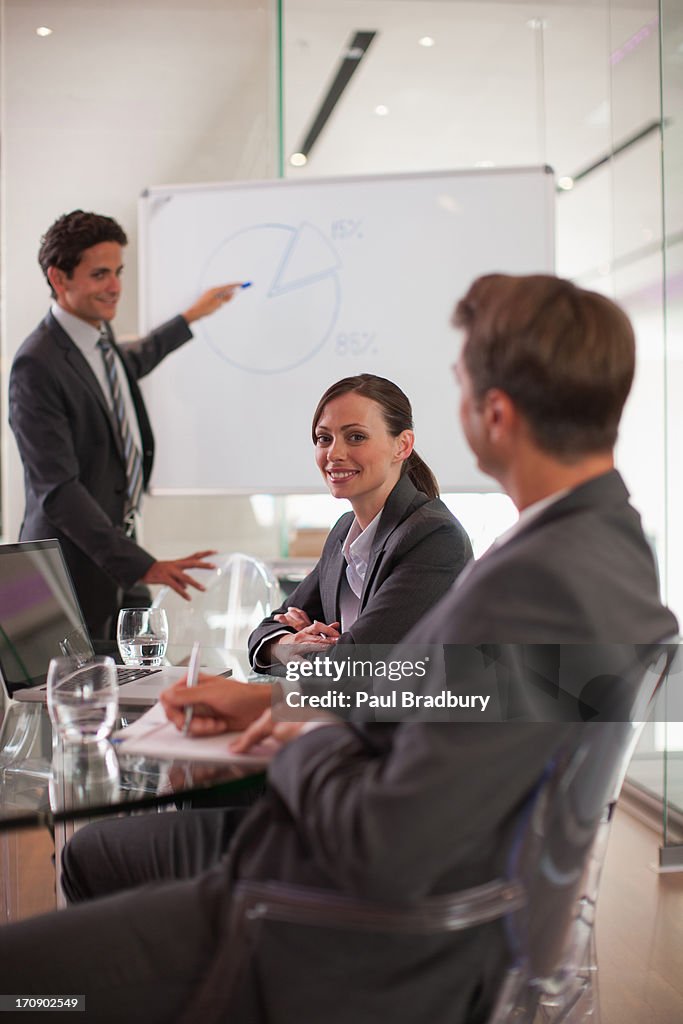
[[40, 618]]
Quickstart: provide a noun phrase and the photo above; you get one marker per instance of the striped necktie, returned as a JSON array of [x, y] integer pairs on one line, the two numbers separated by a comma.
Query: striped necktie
[[131, 451]]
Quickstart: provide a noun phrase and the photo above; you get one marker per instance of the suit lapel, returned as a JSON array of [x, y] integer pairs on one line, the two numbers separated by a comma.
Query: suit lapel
[[331, 579], [607, 490], [79, 364], [602, 491], [402, 501]]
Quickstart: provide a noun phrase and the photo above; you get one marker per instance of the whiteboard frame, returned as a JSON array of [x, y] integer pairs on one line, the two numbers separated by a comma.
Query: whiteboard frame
[[156, 192]]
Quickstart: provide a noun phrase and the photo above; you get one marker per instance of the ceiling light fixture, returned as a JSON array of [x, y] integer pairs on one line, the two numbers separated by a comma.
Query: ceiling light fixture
[[298, 159], [381, 110], [426, 41], [43, 31], [566, 183]]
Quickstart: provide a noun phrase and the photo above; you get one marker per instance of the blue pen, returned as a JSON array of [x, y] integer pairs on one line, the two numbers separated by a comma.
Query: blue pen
[[246, 284], [192, 677]]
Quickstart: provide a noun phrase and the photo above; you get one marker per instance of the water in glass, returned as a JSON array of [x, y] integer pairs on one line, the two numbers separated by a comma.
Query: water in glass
[[82, 698], [142, 636]]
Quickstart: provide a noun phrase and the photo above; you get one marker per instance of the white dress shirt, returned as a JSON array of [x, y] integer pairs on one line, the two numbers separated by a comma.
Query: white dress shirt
[[85, 338], [356, 551], [526, 516]]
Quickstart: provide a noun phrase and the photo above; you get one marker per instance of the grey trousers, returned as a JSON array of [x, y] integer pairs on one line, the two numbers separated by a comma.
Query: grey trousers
[[138, 955], [121, 853]]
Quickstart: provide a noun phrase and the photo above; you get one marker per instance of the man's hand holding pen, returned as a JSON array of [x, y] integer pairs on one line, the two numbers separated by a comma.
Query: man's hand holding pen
[[218, 704]]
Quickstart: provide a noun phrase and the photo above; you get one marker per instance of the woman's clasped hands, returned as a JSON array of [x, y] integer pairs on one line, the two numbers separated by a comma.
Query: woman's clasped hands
[[310, 636]]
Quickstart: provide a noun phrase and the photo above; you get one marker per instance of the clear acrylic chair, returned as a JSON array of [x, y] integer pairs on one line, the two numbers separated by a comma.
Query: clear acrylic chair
[[545, 900], [239, 593], [25, 753]]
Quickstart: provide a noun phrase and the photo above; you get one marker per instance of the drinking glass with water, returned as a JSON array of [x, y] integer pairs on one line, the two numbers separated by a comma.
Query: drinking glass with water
[[82, 697], [142, 636]]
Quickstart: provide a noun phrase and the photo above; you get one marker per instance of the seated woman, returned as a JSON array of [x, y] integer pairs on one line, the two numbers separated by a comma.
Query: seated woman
[[386, 562], [383, 566]]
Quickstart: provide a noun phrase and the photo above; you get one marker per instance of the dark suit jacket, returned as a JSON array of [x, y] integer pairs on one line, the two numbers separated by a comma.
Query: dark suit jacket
[[399, 812], [418, 551], [74, 471]]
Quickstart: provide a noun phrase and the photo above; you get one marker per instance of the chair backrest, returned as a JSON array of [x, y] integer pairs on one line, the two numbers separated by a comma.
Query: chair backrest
[[239, 593], [560, 846], [545, 903]]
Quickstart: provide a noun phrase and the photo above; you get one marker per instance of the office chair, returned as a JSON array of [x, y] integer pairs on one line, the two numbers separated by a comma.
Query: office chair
[[25, 750], [544, 902], [239, 593]]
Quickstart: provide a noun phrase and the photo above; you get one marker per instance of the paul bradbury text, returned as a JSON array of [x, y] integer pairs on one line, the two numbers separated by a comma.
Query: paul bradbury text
[[332, 700]]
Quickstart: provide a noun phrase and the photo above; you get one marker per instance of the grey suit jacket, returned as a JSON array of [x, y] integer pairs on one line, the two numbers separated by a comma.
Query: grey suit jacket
[[418, 551], [74, 471], [399, 812], [581, 572]]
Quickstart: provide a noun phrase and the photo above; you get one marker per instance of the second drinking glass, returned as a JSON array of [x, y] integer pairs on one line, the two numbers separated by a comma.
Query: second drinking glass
[[142, 636]]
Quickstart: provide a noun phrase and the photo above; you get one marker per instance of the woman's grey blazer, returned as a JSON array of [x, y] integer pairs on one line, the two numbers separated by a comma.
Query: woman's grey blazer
[[418, 551]]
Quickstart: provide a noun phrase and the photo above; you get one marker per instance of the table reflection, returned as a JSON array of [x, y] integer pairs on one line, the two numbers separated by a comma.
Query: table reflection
[[84, 779], [83, 775]]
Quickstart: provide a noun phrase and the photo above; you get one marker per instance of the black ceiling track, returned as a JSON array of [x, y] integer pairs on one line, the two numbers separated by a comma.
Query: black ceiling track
[[353, 55]]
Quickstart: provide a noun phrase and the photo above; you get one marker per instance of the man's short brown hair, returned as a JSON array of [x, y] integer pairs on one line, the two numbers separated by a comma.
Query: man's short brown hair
[[564, 355], [65, 241]]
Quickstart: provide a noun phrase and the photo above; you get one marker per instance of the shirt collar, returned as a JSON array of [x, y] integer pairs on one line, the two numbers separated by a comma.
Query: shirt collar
[[528, 514], [358, 543], [80, 331], [356, 550]]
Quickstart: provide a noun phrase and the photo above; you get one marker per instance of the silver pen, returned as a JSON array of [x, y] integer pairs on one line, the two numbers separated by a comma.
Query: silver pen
[[192, 677]]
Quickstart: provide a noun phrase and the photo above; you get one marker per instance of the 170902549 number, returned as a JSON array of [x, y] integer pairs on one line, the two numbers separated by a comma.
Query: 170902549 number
[[20, 1002]]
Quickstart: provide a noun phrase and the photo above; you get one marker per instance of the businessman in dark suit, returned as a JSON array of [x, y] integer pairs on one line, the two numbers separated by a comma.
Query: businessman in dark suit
[[393, 812], [88, 450]]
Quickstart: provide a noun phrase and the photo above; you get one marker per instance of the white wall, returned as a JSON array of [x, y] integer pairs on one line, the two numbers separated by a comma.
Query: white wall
[[129, 93], [121, 96]]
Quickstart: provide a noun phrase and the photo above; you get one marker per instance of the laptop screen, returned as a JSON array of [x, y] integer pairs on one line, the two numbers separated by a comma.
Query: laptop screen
[[40, 617]]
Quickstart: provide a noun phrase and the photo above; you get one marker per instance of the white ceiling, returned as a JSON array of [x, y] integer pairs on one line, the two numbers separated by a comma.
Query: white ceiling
[[492, 88], [496, 89]]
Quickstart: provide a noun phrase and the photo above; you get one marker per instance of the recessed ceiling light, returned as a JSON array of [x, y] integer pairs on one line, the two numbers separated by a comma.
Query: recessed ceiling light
[[381, 110], [43, 31], [426, 41], [298, 159], [566, 183], [485, 163]]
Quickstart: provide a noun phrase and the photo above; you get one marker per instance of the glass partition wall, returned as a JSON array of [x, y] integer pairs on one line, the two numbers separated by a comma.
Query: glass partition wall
[[459, 84], [671, 735], [121, 96]]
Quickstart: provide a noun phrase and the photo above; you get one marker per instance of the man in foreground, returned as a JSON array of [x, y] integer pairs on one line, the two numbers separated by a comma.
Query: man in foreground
[[391, 813], [80, 420]]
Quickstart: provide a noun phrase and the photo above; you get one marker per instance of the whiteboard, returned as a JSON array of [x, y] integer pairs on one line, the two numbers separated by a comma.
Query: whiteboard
[[350, 275]]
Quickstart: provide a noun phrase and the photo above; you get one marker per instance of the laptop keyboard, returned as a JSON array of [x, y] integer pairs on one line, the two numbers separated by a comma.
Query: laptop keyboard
[[129, 675]]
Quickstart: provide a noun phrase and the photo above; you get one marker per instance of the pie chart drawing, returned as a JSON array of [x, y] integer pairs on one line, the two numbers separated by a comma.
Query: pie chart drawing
[[290, 310]]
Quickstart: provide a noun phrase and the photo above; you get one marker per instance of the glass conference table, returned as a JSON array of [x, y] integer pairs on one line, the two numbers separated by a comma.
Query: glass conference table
[[60, 787], [76, 781]]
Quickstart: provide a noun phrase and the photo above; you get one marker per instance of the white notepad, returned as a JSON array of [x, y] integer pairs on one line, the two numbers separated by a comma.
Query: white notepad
[[154, 736]]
